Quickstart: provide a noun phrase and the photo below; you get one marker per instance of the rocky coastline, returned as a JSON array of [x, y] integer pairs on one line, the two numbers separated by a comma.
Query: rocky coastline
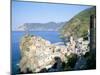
[[40, 55]]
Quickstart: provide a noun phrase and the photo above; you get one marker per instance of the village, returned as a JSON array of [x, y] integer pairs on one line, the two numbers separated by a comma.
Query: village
[[38, 53]]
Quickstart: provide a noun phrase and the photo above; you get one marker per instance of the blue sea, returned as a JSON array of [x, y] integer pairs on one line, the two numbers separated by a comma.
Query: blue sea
[[52, 36]]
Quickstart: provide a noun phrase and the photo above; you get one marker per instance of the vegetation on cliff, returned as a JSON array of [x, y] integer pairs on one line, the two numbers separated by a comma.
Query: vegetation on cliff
[[78, 26]]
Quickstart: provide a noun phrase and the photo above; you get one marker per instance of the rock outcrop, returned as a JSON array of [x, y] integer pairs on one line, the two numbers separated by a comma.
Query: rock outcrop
[[38, 53]]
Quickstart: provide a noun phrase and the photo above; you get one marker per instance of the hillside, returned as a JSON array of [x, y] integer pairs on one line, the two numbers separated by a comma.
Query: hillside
[[78, 26]]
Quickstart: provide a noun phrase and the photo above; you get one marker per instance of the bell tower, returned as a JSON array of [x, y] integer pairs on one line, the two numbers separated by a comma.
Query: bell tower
[[92, 32]]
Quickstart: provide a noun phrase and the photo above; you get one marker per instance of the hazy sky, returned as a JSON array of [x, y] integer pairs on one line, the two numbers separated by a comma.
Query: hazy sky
[[32, 12]]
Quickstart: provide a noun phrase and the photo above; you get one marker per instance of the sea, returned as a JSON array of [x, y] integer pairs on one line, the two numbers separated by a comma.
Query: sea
[[52, 36]]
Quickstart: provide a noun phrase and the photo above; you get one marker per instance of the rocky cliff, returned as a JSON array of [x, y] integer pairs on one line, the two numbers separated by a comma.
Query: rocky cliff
[[38, 53]]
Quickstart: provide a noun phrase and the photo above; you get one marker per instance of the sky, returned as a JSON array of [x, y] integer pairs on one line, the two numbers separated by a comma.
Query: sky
[[33, 12]]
